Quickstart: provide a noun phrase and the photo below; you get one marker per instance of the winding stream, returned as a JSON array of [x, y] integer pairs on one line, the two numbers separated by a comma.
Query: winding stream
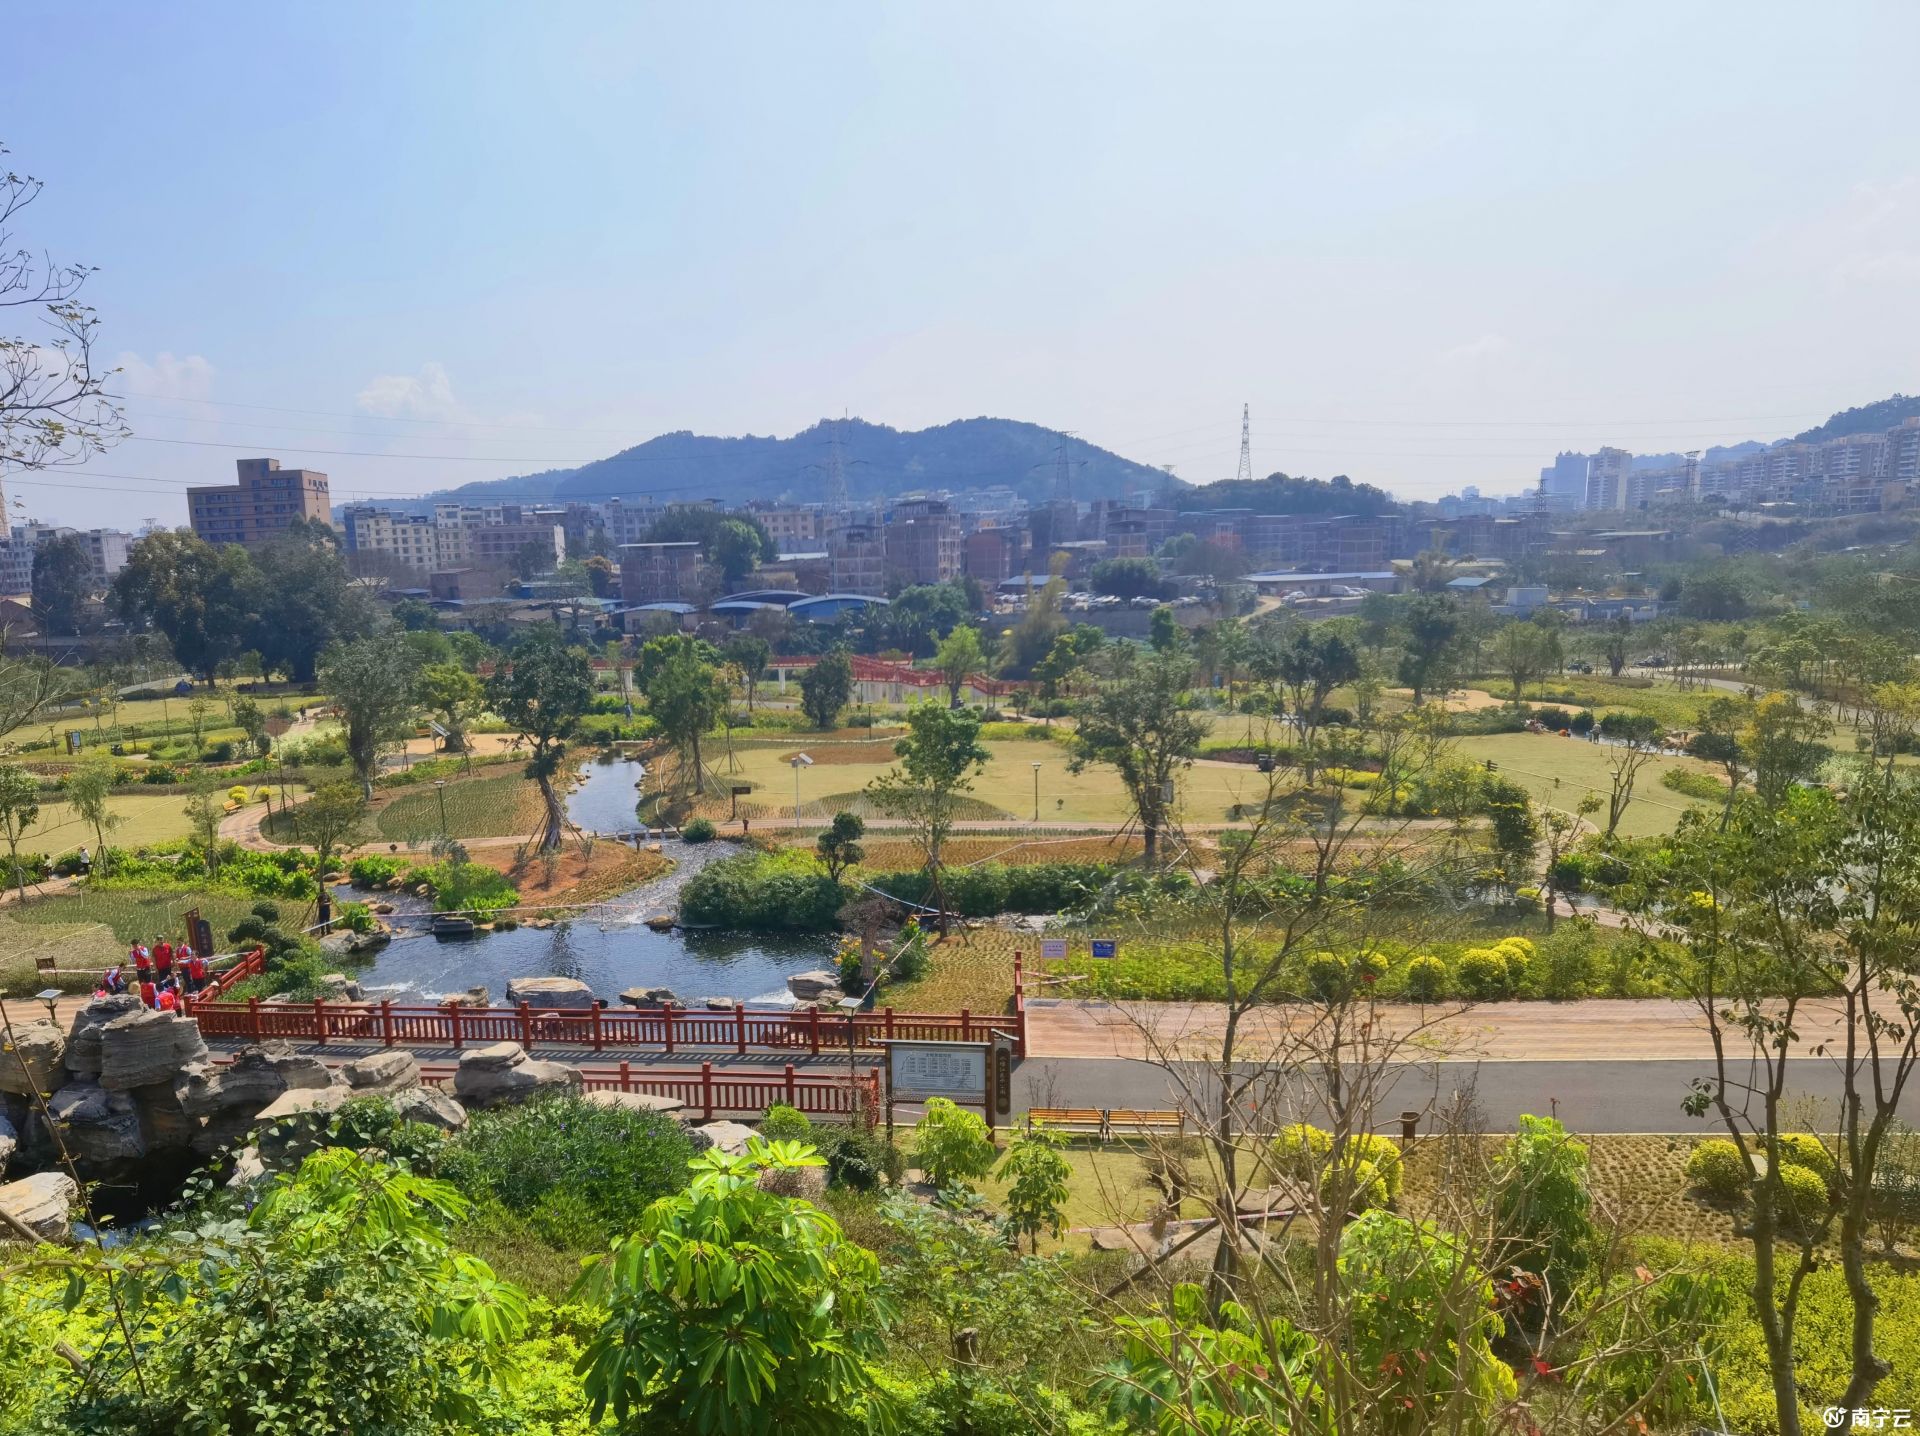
[[611, 948]]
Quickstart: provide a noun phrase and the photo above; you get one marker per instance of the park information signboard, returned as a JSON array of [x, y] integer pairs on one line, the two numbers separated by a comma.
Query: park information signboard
[[955, 1070], [1053, 947], [1106, 947]]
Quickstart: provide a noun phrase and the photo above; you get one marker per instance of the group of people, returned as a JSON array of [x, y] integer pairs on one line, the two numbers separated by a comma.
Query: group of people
[[162, 974]]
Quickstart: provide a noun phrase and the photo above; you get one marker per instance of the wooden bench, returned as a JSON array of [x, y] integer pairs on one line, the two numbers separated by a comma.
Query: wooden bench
[[1103, 1122]]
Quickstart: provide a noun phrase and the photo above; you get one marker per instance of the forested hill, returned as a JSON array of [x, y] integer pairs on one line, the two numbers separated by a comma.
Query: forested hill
[[1284, 494], [879, 462], [1867, 419]]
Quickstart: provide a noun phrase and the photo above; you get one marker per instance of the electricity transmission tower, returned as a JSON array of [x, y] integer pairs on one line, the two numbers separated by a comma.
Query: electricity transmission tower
[[1245, 474], [837, 501]]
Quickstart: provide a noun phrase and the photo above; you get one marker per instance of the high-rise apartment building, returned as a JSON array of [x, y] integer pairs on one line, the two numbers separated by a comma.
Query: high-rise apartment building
[[265, 503]]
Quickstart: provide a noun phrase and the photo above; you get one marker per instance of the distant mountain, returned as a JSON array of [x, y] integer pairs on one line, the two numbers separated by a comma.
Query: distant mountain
[[879, 463]]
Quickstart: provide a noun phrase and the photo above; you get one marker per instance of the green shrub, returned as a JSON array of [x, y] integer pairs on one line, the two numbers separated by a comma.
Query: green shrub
[[616, 1162], [1803, 1149], [988, 889], [1564, 966], [697, 830], [355, 917], [372, 871], [952, 1145], [468, 887], [1361, 1183], [1300, 1149], [1332, 978], [784, 891], [1805, 1198], [1694, 785], [1426, 979], [856, 1158], [1544, 1204], [1717, 1167], [1484, 975], [786, 1124]]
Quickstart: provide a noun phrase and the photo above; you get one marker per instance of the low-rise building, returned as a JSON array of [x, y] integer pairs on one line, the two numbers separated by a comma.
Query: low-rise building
[[658, 572]]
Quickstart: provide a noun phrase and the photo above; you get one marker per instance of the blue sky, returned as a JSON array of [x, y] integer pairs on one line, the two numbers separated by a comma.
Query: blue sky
[[1429, 245]]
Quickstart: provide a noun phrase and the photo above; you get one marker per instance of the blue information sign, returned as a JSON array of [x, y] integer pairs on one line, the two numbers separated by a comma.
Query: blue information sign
[[1106, 947]]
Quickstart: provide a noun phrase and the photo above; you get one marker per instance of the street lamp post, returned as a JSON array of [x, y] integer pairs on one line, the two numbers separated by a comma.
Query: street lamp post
[[799, 760], [848, 1007], [1036, 792], [440, 787]]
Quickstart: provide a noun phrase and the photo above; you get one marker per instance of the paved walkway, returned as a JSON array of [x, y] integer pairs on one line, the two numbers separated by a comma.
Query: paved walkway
[[1596, 1029]]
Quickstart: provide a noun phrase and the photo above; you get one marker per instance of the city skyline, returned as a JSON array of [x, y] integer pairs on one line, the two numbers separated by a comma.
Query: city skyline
[[427, 247]]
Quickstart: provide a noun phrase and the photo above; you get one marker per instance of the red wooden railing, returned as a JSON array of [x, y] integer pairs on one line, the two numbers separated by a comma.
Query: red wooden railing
[[714, 1093], [667, 1029], [250, 964]]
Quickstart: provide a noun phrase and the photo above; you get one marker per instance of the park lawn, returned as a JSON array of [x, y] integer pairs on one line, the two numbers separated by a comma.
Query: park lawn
[[145, 819], [1004, 789], [1557, 772], [502, 807], [1108, 1187], [970, 970], [1673, 707]]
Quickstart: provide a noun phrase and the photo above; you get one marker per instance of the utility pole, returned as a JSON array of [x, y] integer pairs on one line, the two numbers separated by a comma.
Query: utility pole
[[1245, 472]]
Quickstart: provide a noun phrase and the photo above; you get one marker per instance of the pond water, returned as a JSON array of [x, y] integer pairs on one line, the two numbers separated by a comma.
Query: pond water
[[611, 948]]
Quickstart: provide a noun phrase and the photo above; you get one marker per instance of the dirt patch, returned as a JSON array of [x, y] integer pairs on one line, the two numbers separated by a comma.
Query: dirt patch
[[573, 876]]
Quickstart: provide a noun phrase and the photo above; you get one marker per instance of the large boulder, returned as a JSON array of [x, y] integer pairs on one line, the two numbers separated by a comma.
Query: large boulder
[[33, 1059], [43, 1202], [382, 1074], [647, 997], [564, 993], [83, 1037], [338, 987], [100, 1129], [431, 1106], [812, 985], [143, 1048], [472, 997], [502, 1074], [729, 1137], [637, 1102], [295, 1122], [808, 1183], [255, 1077]]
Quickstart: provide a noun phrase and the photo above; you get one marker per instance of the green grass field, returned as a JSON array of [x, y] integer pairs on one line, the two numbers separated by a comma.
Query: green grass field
[[482, 808], [1558, 772], [1005, 788], [155, 818]]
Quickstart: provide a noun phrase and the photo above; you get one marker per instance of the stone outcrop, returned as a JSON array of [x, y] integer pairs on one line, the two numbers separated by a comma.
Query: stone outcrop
[[293, 1123], [550, 992], [637, 1102], [648, 996], [813, 985], [164, 1123], [720, 1004], [254, 1078], [98, 1128], [730, 1137], [472, 997], [83, 1037], [33, 1060], [431, 1106], [502, 1074], [142, 1048], [228, 1099], [338, 987], [43, 1202], [383, 1074]]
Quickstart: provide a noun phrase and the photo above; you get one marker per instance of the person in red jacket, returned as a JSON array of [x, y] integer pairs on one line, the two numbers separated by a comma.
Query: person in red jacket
[[148, 997], [142, 962], [196, 973], [163, 959], [168, 1001]]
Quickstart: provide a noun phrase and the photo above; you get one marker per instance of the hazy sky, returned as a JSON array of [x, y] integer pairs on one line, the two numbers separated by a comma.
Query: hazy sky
[[1429, 244]]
